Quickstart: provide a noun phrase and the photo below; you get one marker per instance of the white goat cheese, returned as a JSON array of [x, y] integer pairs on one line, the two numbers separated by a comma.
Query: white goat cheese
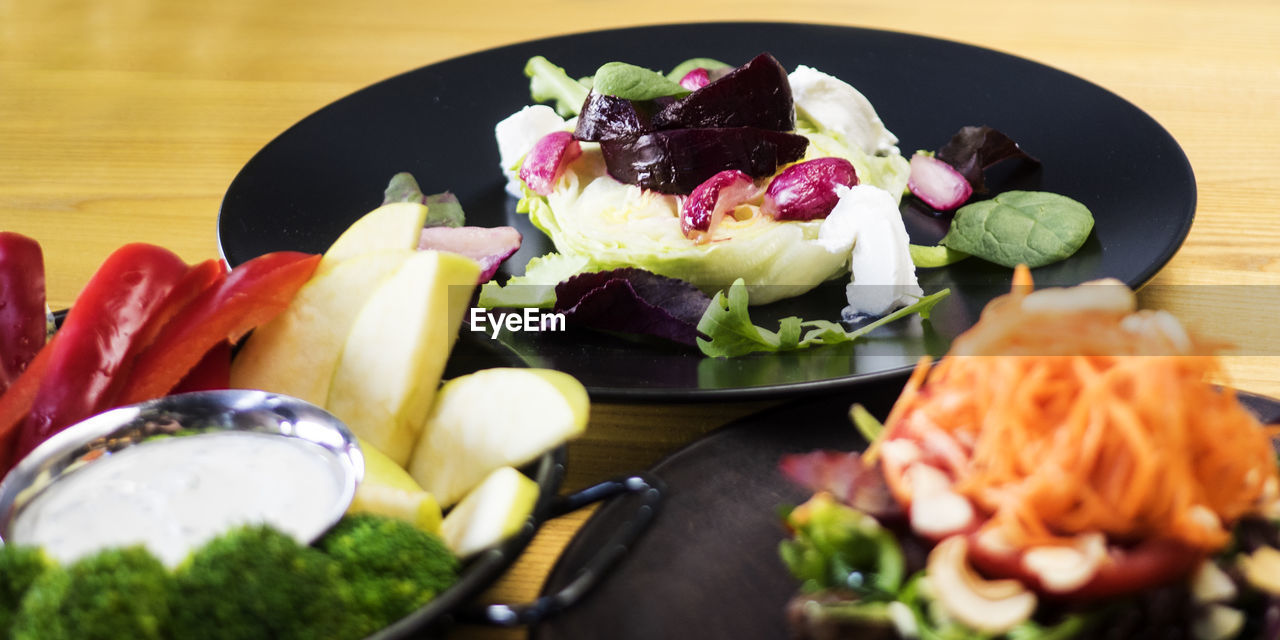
[[835, 105], [517, 134]]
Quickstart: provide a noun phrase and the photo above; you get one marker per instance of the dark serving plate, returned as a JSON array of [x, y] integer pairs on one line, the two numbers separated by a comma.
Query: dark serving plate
[[303, 188], [708, 567]]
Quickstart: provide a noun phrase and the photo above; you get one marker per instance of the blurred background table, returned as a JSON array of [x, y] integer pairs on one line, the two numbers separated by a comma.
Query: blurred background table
[[126, 120]]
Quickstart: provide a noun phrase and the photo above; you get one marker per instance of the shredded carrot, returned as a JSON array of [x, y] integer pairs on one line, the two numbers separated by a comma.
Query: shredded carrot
[[1092, 420]]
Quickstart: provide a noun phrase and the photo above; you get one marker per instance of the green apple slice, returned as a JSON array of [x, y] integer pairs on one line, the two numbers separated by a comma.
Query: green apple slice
[[395, 351], [387, 489], [397, 225], [493, 512], [297, 352], [491, 419]]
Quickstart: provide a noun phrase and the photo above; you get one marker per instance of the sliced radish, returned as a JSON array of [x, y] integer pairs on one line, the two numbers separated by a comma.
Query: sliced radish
[[711, 200], [488, 246], [695, 79], [547, 160], [807, 191], [937, 183]]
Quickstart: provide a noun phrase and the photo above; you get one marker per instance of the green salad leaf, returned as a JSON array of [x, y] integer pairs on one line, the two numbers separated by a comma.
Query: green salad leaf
[[681, 70], [730, 332], [549, 83], [930, 257], [537, 287], [631, 82], [1020, 227], [443, 209]]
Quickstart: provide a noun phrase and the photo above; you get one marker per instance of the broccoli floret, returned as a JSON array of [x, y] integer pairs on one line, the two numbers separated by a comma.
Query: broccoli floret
[[116, 593], [391, 566], [256, 582], [20, 565]]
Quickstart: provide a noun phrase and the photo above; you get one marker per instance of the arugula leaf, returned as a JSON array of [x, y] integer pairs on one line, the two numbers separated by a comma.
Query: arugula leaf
[[1021, 227], [731, 332], [729, 326], [634, 83]]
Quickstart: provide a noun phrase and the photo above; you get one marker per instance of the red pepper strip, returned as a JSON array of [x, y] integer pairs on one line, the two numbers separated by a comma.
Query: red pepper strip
[[198, 279], [22, 304], [16, 402], [212, 372], [252, 294], [96, 337]]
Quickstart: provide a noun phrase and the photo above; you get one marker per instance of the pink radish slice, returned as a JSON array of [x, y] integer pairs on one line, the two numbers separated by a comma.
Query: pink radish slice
[[711, 200], [937, 183], [547, 160], [807, 191], [695, 79], [487, 246]]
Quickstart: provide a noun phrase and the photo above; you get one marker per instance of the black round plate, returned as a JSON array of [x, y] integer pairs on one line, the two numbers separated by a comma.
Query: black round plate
[[708, 566], [306, 186]]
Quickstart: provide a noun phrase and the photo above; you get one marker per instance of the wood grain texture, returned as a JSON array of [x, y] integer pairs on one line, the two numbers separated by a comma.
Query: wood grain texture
[[126, 120]]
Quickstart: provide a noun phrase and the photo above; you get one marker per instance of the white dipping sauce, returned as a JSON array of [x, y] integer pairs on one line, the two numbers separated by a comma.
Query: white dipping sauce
[[175, 494]]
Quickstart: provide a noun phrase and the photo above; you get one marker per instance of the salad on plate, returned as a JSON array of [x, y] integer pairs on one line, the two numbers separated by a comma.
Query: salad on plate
[[750, 184], [1066, 471]]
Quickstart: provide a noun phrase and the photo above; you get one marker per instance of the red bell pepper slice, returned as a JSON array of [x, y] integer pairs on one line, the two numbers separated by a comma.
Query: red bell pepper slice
[[212, 372], [22, 304], [251, 294], [196, 281], [97, 336], [16, 402]]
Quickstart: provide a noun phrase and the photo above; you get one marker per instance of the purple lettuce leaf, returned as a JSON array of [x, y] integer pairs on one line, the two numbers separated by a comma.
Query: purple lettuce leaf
[[974, 149], [634, 301]]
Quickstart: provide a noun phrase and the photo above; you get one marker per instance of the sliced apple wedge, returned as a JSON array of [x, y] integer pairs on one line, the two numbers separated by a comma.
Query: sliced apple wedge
[[396, 350], [297, 352], [496, 510], [397, 225], [491, 419], [389, 490]]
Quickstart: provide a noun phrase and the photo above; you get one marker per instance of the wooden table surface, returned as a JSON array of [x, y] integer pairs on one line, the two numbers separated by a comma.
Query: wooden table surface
[[126, 120]]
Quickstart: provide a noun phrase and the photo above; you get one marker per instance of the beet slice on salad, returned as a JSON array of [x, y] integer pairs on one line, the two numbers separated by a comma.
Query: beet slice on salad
[[757, 94], [605, 117], [678, 160]]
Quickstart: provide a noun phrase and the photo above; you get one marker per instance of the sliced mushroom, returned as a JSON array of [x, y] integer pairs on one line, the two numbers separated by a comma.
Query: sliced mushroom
[[936, 511], [990, 606]]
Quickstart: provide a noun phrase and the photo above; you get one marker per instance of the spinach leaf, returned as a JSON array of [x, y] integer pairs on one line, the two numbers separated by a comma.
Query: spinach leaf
[[634, 83], [683, 69], [1028, 227]]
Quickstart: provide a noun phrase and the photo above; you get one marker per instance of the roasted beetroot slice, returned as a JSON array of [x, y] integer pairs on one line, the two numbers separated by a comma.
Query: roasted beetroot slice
[[757, 94], [679, 160], [605, 117]]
